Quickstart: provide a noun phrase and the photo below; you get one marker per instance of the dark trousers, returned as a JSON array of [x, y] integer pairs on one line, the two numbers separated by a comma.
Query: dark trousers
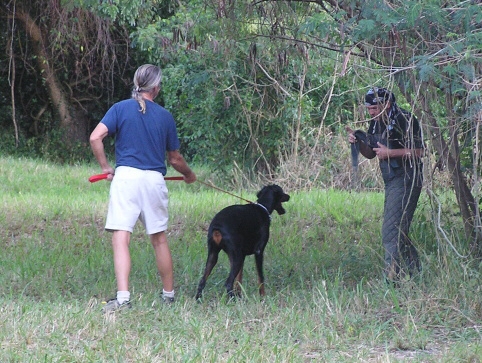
[[403, 186]]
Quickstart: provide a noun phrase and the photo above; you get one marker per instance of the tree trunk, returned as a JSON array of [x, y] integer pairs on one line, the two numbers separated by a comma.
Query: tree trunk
[[465, 199], [70, 128]]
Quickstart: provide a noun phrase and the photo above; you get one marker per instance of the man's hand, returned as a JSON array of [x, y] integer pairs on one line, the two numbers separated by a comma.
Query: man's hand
[[179, 164], [382, 151], [351, 135], [110, 171], [190, 178]]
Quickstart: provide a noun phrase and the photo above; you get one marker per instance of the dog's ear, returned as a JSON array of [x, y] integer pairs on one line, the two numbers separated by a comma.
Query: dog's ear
[[260, 193]]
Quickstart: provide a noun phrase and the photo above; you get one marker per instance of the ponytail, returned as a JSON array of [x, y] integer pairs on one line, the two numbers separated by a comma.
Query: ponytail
[[146, 78]]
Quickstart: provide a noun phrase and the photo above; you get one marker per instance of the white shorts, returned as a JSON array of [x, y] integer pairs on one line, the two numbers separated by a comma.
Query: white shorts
[[137, 194]]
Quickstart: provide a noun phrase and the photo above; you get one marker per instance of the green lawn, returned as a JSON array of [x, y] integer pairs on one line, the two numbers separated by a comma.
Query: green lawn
[[326, 300]]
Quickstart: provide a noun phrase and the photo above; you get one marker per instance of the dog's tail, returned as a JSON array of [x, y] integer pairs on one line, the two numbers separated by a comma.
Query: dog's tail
[[217, 237]]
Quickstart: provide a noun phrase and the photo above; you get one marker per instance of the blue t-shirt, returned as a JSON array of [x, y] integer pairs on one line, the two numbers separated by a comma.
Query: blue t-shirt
[[141, 139]]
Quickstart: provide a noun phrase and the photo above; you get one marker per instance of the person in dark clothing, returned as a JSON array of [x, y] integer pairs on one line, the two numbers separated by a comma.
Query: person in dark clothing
[[394, 136]]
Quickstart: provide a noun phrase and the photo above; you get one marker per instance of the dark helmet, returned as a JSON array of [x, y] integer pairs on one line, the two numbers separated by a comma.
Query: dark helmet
[[377, 96]]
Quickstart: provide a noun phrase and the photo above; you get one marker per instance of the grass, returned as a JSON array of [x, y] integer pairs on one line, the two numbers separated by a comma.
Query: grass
[[325, 299]]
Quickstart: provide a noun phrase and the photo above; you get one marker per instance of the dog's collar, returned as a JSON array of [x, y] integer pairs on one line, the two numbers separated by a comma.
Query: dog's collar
[[266, 209]]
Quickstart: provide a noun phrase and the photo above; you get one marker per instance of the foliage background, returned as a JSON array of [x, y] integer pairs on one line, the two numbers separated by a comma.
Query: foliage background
[[260, 90]]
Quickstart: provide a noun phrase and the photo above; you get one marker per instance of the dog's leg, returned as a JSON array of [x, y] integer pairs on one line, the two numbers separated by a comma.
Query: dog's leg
[[258, 256], [238, 281], [210, 263], [237, 261]]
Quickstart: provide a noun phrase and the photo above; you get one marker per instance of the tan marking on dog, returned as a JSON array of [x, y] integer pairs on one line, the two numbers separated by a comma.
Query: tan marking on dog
[[217, 237]]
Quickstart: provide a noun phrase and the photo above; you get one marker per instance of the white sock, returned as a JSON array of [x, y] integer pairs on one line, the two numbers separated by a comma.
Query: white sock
[[167, 293], [123, 296]]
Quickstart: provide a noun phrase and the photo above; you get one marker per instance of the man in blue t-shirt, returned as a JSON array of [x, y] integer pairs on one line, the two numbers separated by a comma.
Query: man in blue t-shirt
[[145, 135]]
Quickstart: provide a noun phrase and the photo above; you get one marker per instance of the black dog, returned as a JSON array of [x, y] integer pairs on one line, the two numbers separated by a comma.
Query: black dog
[[242, 230]]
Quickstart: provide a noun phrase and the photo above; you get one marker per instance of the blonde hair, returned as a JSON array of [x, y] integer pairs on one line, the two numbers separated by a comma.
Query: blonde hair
[[146, 78]]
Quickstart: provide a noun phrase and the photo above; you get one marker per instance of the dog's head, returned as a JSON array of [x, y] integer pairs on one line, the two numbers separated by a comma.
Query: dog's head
[[271, 197]]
